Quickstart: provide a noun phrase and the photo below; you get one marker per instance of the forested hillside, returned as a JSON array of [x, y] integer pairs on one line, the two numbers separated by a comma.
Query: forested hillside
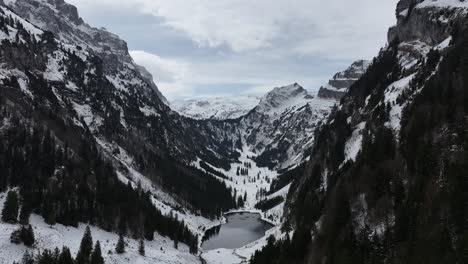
[[401, 197]]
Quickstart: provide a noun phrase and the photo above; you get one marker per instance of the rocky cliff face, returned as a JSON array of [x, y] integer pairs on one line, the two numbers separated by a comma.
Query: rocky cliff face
[[430, 22], [385, 173], [144, 112], [281, 127], [63, 20], [339, 84], [92, 91]]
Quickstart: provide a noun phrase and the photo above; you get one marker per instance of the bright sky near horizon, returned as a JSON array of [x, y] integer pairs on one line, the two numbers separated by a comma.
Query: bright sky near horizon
[[236, 47]]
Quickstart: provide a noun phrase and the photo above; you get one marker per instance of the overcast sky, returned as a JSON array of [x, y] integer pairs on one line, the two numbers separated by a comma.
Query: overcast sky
[[235, 47]]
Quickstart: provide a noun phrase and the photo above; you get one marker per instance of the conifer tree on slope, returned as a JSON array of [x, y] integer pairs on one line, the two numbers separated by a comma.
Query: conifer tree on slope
[[120, 248], [27, 258], [25, 213], [141, 248], [96, 256], [10, 208], [86, 248], [27, 235], [65, 257]]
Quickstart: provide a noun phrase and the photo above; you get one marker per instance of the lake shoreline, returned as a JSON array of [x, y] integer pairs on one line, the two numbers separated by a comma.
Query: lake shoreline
[[241, 224]]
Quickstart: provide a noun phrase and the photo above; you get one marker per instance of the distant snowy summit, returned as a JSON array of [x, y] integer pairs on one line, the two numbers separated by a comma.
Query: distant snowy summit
[[282, 98], [279, 128], [219, 108], [223, 108], [339, 84], [276, 102]]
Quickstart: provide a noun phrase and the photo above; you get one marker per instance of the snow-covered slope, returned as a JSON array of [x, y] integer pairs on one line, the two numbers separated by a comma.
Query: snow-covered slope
[[219, 108], [160, 250]]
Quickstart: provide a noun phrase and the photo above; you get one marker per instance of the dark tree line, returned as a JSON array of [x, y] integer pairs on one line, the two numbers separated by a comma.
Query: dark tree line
[[188, 184], [268, 204], [67, 187], [420, 180], [87, 254]]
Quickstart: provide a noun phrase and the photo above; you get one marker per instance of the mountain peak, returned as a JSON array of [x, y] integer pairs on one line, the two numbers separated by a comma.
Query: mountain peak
[[281, 98], [284, 92], [341, 81], [353, 72]]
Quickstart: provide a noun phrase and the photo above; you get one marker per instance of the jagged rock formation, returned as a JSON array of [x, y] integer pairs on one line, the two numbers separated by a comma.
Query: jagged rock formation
[[338, 86], [281, 127], [386, 179], [63, 20]]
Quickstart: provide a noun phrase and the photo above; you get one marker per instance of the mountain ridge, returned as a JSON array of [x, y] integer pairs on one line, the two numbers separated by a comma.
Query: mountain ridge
[[385, 165]]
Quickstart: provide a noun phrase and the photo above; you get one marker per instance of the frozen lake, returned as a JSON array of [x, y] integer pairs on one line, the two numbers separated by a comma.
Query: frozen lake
[[240, 230]]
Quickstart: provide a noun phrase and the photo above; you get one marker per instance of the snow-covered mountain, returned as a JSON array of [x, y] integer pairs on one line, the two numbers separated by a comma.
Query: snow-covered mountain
[[99, 108], [339, 84], [386, 178], [281, 127], [81, 94], [63, 20], [218, 108]]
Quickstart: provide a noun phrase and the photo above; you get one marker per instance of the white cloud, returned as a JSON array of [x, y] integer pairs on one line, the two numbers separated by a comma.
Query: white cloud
[[251, 45], [177, 79], [246, 25], [168, 74]]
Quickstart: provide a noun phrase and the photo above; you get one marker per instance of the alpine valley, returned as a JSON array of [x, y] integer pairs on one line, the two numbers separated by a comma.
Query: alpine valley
[[97, 166]]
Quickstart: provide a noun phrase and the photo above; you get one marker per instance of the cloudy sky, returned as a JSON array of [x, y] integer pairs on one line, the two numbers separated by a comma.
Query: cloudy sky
[[238, 47]]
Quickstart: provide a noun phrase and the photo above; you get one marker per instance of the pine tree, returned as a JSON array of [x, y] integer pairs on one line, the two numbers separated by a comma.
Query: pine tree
[[65, 257], [86, 247], [47, 257], [194, 245], [56, 255], [120, 248], [96, 257], [10, 208], [27, 235], [176, 242], [240, 202], [27, 258], [25, 213], [141, 248]]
